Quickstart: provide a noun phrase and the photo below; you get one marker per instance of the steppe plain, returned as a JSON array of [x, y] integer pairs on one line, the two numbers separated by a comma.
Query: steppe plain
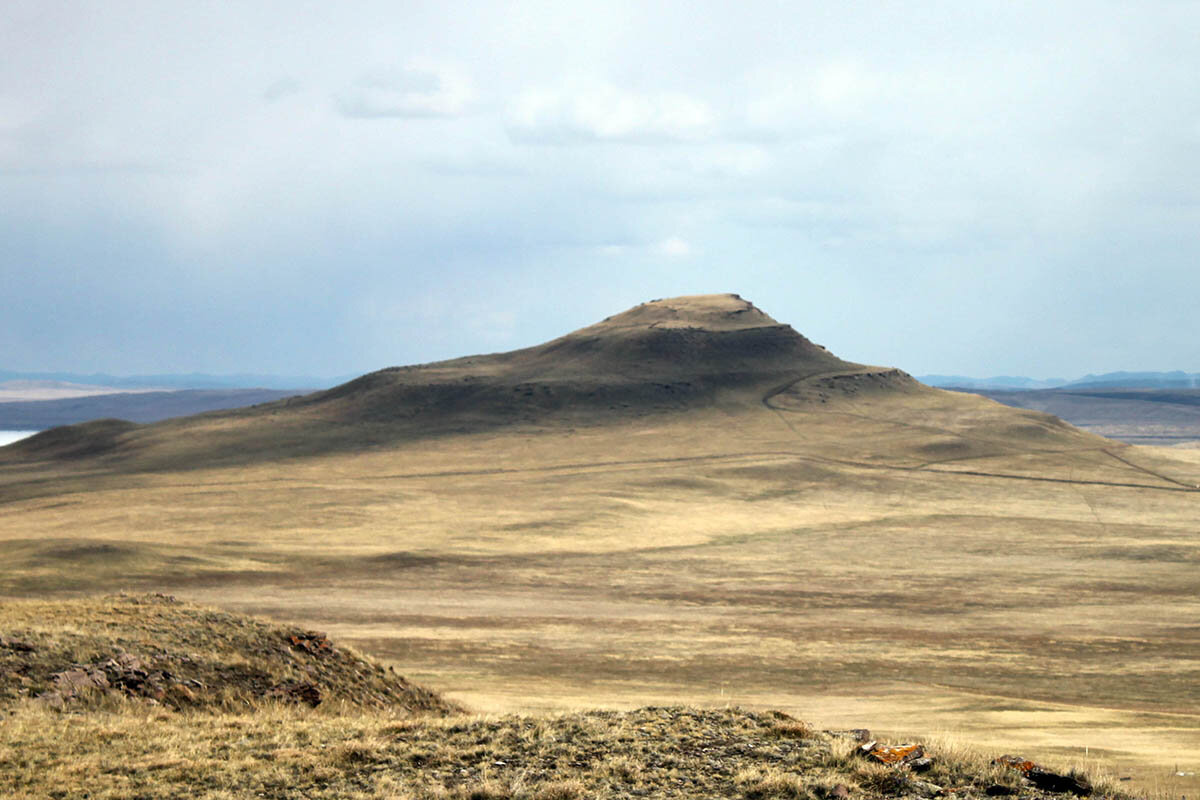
[[641, 513]]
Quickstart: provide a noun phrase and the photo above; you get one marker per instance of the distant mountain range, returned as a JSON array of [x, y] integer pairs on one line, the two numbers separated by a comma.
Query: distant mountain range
[[191, 380], [135, 406], [1125, 380]]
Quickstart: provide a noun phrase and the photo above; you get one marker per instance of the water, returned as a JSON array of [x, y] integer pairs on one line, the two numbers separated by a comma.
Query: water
[[8, 437]]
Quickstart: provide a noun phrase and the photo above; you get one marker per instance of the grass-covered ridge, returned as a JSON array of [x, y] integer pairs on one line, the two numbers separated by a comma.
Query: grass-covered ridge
[[167, 699], [291, 752], [159, 651]]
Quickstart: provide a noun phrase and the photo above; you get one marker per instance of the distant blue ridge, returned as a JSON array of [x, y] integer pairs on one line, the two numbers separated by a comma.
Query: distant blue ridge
[[1128, 380]]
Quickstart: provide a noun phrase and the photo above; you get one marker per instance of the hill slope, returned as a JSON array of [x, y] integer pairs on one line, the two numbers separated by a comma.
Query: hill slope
[[834, 540], [683, 354], [79, 653]]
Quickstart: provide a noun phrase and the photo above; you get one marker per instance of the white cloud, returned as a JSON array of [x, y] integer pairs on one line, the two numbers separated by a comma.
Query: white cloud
[[674, 247], [421, 89], [602, 112]]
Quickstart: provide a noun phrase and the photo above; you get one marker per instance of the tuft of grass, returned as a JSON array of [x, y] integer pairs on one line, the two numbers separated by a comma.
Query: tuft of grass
[[765, 784]]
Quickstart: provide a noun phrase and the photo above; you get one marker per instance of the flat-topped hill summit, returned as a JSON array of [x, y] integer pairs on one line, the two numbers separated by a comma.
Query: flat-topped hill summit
[[718, 336]]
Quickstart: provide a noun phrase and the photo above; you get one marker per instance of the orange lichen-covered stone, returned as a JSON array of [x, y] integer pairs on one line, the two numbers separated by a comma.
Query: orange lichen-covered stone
[[900, 754], [1015, 762]]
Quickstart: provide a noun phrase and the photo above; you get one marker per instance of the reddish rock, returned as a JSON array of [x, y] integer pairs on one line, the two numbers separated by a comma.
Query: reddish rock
[[308, 693], [1044, 779], [892, 755], [312, 642]]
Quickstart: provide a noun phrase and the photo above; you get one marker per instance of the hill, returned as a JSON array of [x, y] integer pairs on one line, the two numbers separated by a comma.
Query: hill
[[689, 354], [145, 696], [153, 648], [554, 529]]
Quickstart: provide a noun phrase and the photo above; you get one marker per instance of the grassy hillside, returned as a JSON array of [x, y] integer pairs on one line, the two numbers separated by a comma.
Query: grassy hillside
[[836, 541], [379, 736], [77, 654]]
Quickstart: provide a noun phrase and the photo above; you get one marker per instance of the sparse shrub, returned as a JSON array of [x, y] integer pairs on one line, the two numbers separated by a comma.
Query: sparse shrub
[[792, 729], [759, 784], [488, 790], [559, 790], [351, 754], [623, 769]]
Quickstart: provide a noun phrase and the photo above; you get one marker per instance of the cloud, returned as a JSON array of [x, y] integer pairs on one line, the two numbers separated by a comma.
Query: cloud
[[601, 112], [674, 247], [417, 90], [898, 157]]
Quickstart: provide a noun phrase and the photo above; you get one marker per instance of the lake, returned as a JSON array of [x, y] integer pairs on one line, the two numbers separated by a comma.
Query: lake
[[8, 437]]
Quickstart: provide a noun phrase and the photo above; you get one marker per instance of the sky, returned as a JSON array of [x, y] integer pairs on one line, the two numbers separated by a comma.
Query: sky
[[962, 187]]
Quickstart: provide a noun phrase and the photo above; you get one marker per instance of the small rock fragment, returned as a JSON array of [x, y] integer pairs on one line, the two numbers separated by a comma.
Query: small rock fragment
[[925, 788], [308, 693]]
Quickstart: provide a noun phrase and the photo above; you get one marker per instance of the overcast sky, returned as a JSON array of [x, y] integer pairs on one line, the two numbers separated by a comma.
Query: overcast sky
[[329, 188]]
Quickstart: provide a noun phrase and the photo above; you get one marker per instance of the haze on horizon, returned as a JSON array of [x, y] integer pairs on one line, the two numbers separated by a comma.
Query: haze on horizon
[[976, 188]]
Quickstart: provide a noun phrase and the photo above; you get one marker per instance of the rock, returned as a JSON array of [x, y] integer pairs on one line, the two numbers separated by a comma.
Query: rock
[[923, 764], [312, 642], [308, 693], [1015, 762], [1044, 779], [73, 681], [1053, 782], [925, 788], [899, 784], [893, 756], [16, 645], [839, 792]]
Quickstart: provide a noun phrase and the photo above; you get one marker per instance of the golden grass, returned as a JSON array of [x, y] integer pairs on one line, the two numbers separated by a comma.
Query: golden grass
[[282, 752], [912, 564], [156, 650]]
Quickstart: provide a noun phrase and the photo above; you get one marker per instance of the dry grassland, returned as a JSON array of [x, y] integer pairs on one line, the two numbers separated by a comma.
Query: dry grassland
[[1017, 584], [141, 696], [283, 753]]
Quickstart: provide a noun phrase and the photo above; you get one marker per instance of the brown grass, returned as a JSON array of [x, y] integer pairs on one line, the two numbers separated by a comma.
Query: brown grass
[[155, 650], [286, 752], [916, 561]]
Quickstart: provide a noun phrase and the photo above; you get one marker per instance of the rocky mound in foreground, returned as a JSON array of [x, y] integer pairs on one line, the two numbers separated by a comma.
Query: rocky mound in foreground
[[152, 648], [93, 687], [648, 753]]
